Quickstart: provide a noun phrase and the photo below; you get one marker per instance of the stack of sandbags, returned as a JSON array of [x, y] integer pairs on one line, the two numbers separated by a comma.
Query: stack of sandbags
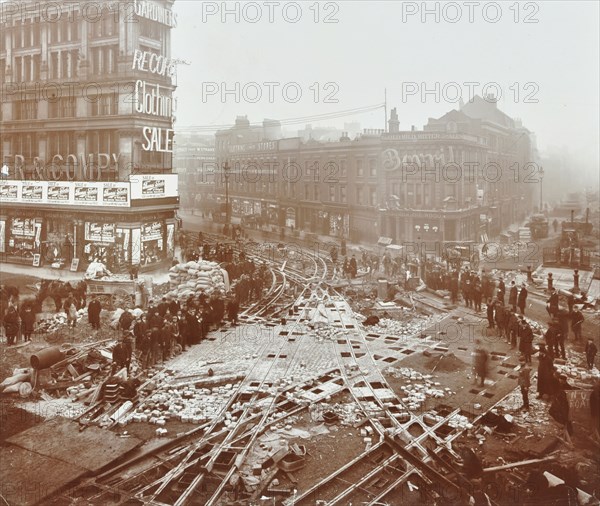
[[193, 278], [19, 382]]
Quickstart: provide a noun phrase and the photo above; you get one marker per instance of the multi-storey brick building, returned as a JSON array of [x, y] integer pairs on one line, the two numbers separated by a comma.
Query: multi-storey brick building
[[454, 180], [86, 114], [194, 163]]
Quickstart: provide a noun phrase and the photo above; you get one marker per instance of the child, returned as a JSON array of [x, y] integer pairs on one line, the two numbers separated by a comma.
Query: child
[[590, 353]]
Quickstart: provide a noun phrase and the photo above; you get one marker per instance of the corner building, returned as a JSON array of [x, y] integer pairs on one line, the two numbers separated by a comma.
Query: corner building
[[87, 138], [455, 180]]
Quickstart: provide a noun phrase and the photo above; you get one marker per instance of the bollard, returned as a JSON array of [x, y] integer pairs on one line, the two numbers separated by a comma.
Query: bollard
[[576, 281], [550, 282], [529, 274]]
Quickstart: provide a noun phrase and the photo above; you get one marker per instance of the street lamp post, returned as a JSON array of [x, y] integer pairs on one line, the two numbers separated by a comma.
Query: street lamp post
[[226, 169], [541, 189]]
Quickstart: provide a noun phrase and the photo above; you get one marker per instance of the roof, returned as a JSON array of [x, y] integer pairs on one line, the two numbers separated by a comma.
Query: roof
[[487, 109]]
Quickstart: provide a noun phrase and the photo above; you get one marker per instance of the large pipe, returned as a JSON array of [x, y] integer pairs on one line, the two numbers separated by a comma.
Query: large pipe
[[46, 358]]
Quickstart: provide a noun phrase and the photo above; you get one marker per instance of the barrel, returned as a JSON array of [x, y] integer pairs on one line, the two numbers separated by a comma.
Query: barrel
[[46, 358]]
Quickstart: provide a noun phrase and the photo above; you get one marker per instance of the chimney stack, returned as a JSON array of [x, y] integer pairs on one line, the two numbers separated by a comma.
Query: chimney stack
[[393, 123]]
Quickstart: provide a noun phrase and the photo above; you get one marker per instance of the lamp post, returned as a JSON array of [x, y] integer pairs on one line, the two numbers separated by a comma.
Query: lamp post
[[541, 189], [226, 169]]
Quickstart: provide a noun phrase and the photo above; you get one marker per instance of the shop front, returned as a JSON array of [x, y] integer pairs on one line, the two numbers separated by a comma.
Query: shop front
[[53, 238], [21, 238], [153, 245]]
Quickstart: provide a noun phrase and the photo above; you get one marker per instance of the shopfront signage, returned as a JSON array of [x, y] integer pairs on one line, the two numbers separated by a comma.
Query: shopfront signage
[[115, 194], [392, 160], [86, 194], [59, 193], [70, 168], [32, 193], [255, 146], [152, 186], [23, 227], [151, 231], [148, 99], [9, 192], [67, 193], [100, 232], [158, 139], [155, 12]]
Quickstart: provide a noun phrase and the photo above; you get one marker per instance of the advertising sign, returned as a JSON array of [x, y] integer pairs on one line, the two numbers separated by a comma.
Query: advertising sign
[[115, 194], [59, 193], [154, 186], [151, 231], [66, 193], [100, 232], [23, 227], [86, 194], [32, 192], [8, 192]]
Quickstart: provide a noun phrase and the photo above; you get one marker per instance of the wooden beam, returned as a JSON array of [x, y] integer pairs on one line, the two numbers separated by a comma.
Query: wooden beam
[[513, 465]]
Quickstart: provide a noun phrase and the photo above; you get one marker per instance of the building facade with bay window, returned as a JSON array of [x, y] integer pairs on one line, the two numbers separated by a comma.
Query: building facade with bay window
[[87, 137]]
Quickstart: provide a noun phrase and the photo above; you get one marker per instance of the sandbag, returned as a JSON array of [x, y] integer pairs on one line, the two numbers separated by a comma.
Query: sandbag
[[18, 378]]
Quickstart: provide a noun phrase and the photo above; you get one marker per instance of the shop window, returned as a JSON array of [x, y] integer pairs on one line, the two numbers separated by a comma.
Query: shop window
[[23, 236]]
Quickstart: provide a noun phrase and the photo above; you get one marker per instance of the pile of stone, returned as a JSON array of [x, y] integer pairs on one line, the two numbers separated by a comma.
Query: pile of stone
[[401, 328], [56, 321], [184, 403], [418, 392], [194, 278]]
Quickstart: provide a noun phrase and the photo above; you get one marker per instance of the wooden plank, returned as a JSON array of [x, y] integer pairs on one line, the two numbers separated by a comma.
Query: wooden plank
[[28, 478], [523, 463], [61, 439]]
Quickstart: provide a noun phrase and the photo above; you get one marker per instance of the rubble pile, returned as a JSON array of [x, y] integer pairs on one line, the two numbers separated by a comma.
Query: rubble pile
[[187, 404], [578, 373], [193, 278], [343, 413], [414, 326], [322, 333], [57, 321], [417, 393]]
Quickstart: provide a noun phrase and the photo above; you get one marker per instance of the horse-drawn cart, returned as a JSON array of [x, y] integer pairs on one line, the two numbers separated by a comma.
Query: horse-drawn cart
[[117, 292]]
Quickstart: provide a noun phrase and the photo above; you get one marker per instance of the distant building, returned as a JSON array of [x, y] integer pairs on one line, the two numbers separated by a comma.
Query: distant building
[[194, 162], [452, 181]]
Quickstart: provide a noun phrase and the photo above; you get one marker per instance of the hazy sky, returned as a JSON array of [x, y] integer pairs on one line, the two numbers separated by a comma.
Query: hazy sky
[[547, 72]]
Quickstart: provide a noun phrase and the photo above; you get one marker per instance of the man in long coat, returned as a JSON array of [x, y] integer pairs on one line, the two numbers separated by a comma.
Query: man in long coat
[[94, 309], [522, 299]]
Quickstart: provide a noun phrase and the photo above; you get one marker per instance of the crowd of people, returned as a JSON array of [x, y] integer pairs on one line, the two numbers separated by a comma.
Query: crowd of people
[[169, 326]]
